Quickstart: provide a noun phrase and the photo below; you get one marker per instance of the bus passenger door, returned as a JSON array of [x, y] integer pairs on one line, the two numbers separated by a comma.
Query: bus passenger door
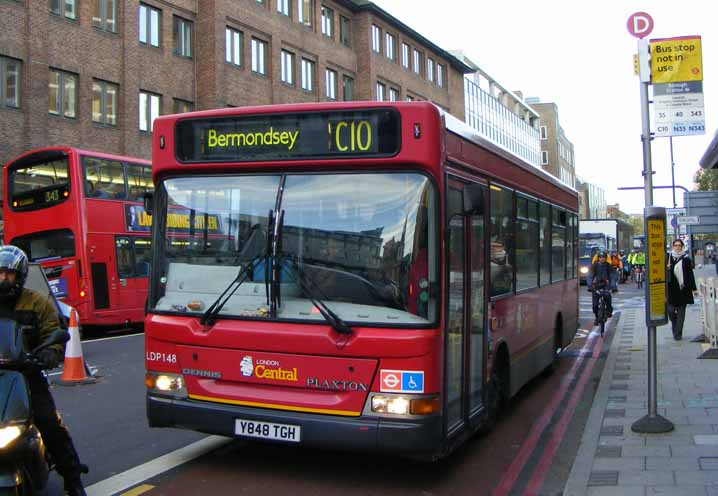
[[465, 326]]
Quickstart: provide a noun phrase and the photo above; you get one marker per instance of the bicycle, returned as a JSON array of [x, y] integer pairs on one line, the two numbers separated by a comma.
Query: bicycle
[[639, 277], [601, 307]]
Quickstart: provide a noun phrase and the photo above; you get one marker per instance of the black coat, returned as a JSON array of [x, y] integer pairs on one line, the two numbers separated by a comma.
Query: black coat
[[676, 295]]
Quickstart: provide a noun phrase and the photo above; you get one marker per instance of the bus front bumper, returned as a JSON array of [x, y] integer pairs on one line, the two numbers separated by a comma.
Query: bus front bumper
[[422, 438]]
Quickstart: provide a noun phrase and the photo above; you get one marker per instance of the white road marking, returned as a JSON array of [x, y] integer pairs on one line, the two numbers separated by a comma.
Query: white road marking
[[141, 473], [113, 337]]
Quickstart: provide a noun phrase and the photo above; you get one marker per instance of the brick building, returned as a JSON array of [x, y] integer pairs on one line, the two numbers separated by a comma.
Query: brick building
[[557, 155], [95, 73]]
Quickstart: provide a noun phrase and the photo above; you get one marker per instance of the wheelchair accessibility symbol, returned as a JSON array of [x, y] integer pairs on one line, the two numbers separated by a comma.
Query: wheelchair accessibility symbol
[[402, 381]]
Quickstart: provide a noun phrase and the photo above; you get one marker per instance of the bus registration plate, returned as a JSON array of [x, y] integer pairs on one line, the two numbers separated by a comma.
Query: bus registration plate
[[267, 430]]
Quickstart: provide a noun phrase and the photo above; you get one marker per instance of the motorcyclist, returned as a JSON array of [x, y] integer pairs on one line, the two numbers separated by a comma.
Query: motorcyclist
[[602, 276], [30, 308]]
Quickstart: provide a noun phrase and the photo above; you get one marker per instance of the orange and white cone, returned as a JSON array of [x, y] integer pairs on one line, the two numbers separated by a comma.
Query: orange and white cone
[[73, 372]]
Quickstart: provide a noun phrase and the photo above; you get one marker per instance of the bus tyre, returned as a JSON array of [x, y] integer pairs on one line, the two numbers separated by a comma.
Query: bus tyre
[[497, 395], [557, 346]]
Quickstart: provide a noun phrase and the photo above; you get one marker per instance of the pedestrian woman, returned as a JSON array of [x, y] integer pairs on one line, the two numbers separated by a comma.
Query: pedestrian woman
[[681, 284]]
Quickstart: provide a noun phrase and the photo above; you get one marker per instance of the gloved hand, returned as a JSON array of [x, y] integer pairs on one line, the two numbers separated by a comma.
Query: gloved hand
[[48, 358]]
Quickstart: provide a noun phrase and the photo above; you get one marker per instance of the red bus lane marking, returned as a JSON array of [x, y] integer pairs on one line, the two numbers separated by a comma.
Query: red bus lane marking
[[549, 452], [509, 478]]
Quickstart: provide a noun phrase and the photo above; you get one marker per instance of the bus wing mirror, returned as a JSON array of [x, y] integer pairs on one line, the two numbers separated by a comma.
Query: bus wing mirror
[[147, 200], [474, 199]]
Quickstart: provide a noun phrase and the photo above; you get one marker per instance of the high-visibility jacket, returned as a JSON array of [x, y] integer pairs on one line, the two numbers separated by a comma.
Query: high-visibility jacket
[[639, 259], [616, 262]]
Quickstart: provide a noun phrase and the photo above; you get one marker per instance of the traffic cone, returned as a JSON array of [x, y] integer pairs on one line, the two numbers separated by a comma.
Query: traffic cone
[[74, 371]]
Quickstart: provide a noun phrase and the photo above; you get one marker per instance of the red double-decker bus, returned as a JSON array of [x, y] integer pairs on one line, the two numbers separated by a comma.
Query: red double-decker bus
[[382, 277], [79, 214]]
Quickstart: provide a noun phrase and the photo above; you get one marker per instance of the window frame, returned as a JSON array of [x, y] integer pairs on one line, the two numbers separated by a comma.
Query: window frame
[[390, 46], [148, 25], [380, 89], [544, 157], [180, 106], [330, 82], [150, 97], [348, 79], [284, 7], [376, 38], [181, 30], [418, 61], [440, 75], [405, 56], [61, 79], [543, 132], [509, 252], [259, 56], [286, 67], [234, 41], [530, 220], [304, 18], [104, 86], [309, 68], [394, 94], [103, 22], [327, 16], [61, 12], [345, 31], [430, 68]]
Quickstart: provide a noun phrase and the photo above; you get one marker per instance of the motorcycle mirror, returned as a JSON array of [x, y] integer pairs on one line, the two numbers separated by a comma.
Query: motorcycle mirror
[[58, 336]]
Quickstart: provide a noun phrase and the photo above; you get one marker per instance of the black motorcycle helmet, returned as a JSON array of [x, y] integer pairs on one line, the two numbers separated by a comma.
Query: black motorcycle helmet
[[14, 259]]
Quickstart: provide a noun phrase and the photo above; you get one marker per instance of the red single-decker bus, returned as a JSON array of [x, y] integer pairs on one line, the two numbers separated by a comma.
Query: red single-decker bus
[[358, 275]]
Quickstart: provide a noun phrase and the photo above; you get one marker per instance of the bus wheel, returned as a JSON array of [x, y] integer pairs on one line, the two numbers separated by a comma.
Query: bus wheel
[[557, 345], [497, 396]]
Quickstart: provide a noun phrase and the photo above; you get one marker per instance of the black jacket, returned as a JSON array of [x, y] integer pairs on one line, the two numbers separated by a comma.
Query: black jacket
[[681, 296]]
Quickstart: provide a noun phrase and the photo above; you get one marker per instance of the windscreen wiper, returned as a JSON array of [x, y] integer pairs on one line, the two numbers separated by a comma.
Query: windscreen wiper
[[210, 316], [311, 288]]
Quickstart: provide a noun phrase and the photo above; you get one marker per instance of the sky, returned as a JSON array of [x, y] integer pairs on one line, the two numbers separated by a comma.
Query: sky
[[579, 55]]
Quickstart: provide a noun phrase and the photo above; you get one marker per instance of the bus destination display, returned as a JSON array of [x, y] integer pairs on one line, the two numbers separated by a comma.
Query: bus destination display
[[360, 133]]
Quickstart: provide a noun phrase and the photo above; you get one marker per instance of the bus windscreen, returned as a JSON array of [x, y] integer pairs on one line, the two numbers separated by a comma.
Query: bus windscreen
[[350, 133], [39, 184]]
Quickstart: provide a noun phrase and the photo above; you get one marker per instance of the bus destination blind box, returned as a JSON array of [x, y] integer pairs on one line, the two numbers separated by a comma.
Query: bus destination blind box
[[655, 229], [348, 133]]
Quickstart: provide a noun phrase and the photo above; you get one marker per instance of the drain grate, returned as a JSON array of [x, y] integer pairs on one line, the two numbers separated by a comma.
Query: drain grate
[[617, 399], [615, 412], [603, 478], [621, 377], [608, 452], [612, 430], [619, 387]]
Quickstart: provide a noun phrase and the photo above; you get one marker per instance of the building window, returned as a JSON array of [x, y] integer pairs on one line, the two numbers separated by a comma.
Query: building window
[[10, 82], [149, 110], [233, 46], [104, 14], [393, 95], [181, 106], [149, 25], [544, 158], [182, 32], [390, 41], [440, 75], [67, 8], [380, 92], [307, 75], [104, 102], [544, 132], [327, 21], [330, 78], [348, 89], [259, 51], [409, 98], [286, 70], [283, 7], [62, 95], [417, 61], [405, 55], [345, 31], [305, 13], [376, 38], [430, 70]]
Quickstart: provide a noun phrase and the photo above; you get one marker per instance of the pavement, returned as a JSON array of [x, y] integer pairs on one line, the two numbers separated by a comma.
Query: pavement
[[613, 460]]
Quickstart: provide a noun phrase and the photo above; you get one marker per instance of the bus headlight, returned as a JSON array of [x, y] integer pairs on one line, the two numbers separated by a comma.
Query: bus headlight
[[404, 404], [166, 383], [584, 270]]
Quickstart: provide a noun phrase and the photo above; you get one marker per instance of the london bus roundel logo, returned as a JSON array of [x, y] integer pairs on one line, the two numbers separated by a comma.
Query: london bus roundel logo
[[390, 380]]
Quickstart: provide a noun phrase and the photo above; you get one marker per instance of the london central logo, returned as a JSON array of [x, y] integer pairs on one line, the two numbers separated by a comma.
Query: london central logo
[[246, 366]]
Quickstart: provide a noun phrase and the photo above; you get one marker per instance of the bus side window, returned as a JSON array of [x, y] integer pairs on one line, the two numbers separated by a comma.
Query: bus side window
[[123, 248]]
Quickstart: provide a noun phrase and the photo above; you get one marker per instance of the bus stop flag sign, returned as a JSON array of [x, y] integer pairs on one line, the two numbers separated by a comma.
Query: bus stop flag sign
[[656, 258]]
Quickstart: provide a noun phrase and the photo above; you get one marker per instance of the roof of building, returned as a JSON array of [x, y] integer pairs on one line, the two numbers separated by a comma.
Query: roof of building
[[367, 6]]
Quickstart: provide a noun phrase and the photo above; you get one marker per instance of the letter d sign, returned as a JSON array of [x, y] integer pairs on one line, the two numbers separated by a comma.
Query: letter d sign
[[640, 24]]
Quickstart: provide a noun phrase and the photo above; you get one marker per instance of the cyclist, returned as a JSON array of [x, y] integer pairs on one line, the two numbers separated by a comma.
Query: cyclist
[[602, 276], [639, 259], [626, 266]]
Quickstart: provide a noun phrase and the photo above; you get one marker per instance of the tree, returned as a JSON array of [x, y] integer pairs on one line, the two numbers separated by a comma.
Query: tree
[[637, 223], [706, 179]]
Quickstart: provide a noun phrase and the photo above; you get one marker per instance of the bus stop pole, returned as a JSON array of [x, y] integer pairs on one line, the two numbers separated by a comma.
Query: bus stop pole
[[652, 422]]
